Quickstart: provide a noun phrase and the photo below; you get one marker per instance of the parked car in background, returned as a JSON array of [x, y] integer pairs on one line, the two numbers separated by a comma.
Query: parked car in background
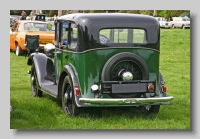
[[180, 22], [163, 22], [13, 19], [40, 17], [103, 63], [22, 28]]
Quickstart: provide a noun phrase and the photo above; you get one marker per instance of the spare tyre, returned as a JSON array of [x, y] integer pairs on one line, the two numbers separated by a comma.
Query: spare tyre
[[121, 63]]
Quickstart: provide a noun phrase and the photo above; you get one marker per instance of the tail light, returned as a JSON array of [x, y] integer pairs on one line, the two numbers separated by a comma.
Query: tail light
[[164, 88], [77, 91], [151, 87]]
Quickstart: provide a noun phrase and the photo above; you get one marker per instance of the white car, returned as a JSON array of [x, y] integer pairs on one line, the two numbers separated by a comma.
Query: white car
[[163, 22], [180, 22]]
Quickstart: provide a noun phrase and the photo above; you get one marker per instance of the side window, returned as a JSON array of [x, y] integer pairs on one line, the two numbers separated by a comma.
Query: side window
[[139, 36], [64, 33], [73, 35]]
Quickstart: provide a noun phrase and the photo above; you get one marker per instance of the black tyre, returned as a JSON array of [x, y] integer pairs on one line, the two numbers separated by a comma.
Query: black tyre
[[35, 91], [150, 109], [173, 26], [19, 51], [68, 98], [125, 62], [183, 27]]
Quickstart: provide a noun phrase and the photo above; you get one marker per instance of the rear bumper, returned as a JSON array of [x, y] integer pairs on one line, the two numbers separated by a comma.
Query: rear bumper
[[109, 101]]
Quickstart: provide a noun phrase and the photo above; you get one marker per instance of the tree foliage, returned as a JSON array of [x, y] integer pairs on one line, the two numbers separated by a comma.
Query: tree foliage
[[46, 12], [134, 11], [123, 11], [18, 12], [97, 11], [53, 12], [160, 13], [11, 12], [146, 12]]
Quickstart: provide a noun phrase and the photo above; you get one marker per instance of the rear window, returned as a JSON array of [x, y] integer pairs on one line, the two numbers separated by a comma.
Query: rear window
[[122, 35], [35, 26]]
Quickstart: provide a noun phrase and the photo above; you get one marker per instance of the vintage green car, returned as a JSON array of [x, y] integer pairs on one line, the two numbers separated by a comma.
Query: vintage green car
[[107, 60]]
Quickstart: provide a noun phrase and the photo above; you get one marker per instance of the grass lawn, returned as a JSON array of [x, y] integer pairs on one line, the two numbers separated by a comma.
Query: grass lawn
[[46, 112]]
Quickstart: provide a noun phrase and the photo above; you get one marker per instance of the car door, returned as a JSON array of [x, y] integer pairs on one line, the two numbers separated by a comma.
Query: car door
[[13, 34], [58, 52], [180, 22], [61, 43]]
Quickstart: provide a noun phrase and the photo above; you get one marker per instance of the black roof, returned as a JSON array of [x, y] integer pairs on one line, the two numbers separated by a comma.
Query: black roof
[[92, 23], [115, 19]]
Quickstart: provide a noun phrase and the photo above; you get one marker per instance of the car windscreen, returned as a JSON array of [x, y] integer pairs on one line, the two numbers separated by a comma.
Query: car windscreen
[[122, 35]]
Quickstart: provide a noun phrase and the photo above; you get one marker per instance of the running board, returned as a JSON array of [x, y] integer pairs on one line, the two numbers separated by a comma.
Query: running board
[[50, 89]]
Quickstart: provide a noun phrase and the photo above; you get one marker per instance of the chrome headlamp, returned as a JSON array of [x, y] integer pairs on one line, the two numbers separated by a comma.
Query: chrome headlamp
[[49, 49]]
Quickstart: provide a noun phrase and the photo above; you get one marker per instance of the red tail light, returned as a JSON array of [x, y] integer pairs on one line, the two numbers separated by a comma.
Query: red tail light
[[164, 88], [77, 91], [151, 87]]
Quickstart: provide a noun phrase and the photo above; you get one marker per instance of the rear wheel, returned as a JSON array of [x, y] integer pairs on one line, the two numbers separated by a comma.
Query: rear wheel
[[68, 98], [35, 91], [19, 51], [183, 27]]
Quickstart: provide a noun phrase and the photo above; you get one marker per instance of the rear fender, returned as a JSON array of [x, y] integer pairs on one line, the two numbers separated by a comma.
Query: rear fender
[[164, 94], [44, 68], [69, 70]]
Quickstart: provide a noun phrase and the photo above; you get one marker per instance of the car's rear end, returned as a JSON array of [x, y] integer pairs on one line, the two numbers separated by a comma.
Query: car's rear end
[[121, 62]]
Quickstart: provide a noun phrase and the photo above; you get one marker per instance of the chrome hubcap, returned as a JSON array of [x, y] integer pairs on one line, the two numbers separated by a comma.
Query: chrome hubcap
[[127, 76]]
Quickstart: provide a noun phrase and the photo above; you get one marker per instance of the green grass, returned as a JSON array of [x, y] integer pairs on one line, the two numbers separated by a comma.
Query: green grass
[[46, 112]]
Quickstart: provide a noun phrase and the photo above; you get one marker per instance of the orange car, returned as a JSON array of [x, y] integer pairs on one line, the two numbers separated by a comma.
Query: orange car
[[27, 27]]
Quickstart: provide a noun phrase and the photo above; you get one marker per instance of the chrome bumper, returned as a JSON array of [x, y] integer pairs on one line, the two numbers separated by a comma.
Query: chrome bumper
[[125, 100]]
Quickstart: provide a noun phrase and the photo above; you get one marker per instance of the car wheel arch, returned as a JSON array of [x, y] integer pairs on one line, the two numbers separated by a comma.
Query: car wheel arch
[[68, 70], [38, 59], [60, 83]]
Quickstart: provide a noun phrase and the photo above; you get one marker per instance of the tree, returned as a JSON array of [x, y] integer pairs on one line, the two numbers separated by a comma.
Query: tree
[[46, 12], [176, 13], [59, 12], [147, 12], [11, 12], [154, 13], [53, 12], [122, 11], [18, 12], [97, 11], [133, 11]]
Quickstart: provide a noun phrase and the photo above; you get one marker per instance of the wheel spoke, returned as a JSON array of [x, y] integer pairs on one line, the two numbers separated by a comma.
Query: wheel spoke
[[127, 66]]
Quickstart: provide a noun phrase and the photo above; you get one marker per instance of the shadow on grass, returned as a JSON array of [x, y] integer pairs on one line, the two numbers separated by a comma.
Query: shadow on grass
[[107, 112]]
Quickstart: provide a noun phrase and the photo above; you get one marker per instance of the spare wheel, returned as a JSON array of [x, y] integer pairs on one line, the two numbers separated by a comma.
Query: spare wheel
[[121, 63]]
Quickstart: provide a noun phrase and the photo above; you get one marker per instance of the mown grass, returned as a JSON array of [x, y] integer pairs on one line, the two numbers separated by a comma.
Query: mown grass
[[46, 112]]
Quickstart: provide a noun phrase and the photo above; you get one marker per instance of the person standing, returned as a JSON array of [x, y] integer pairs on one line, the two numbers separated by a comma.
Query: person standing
[[23, 15]]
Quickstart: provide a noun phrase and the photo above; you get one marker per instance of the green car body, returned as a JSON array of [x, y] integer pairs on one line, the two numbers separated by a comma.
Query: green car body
[[102, 60]]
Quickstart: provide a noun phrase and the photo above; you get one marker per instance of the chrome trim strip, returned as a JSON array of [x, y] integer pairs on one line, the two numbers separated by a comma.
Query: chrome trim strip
[[125, 100], [107, 48]]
